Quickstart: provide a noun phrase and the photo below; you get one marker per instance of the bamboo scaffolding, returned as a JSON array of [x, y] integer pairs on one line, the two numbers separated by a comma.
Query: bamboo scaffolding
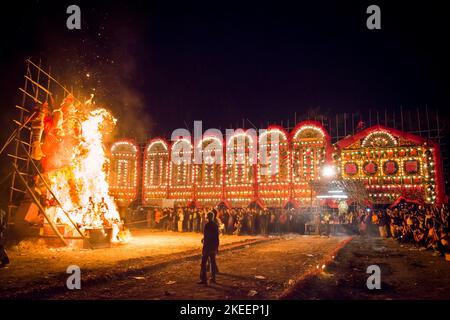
[[18, 190], [55, 198], [31, 96], [38, 203], [13, 134], [38, 85], [20, 124], [22, 108], [51, 78], [16, 157]]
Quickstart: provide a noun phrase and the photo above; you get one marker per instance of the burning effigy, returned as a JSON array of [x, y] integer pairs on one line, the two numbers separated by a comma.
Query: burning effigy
[[68, 141]]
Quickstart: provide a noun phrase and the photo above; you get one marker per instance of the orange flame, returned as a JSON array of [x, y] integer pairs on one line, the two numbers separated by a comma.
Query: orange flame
[[82, 187]]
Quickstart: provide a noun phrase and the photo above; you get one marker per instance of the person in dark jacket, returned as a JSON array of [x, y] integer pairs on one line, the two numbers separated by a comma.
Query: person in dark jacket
[[4, 260], [210, 248]]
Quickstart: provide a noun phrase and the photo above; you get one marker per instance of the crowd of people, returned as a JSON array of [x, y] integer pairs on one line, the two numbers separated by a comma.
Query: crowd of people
[[426, 226], [237, 221]]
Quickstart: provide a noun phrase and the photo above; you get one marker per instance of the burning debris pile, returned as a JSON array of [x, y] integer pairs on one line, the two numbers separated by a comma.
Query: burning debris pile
[[68, 141]]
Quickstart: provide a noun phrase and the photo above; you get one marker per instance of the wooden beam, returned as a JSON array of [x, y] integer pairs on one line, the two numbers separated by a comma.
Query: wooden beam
[[22, 108], [38, 85], [54, 196], [38, 203], [31, 97]]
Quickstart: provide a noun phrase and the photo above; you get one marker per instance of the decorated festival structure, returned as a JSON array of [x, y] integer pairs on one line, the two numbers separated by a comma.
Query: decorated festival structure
[[123, 172], [392, 165], [70, 181]]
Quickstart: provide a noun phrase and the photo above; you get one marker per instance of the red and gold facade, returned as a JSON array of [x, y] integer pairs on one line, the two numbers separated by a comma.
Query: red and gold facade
[[156, 170], [392, 164], [274, 187], [240, 168], [123, 171], [311, 149], [208, 175]]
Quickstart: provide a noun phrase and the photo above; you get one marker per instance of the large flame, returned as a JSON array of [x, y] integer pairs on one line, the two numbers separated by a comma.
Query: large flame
[[81, 187]]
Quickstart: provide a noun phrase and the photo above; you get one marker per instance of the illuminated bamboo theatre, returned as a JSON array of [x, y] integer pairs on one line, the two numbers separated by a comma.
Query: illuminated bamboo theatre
[[392, 165], [69, 180]]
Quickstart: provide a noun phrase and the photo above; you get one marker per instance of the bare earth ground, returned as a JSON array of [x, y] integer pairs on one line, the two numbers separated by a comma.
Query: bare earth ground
[[258, 271], [34, 265], [157, 265], [407, 272]]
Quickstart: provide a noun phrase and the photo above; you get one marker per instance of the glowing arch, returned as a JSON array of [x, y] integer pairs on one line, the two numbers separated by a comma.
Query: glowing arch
[[181, 171], [122, 146], [123, 171], [182, 140], [208, 174], [319, 130], [155, 143], [273, 178], [209, 138], [155, 176], [379, 139], [240, 134], [281, 132]]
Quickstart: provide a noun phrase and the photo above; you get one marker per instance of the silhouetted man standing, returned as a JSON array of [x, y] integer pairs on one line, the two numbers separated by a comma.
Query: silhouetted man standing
[[4, 260], [210, 248]]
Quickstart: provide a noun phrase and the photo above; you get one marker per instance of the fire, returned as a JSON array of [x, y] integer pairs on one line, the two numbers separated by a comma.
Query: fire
[[74, 166]]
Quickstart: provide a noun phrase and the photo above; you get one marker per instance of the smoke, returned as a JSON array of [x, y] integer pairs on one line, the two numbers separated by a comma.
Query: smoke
[[103, 59], [120, 86]]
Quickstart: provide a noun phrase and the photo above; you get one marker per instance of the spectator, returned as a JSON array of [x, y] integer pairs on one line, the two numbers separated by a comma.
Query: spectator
[[4, 260]]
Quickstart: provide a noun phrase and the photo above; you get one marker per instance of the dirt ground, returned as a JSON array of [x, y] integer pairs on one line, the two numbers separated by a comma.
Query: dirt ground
[[34, 264], [258, 271], [407, 272], [156, 265]]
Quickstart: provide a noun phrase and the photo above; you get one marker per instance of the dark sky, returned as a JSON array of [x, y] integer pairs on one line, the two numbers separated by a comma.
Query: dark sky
[[159, 65]]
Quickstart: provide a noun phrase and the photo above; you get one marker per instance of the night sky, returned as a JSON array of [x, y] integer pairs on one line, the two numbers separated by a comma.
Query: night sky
[[162, 65], [166, 64]]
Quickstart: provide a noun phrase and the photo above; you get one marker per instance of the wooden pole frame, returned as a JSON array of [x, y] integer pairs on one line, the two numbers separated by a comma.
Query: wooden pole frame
[[38, 203], [54, 197]]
